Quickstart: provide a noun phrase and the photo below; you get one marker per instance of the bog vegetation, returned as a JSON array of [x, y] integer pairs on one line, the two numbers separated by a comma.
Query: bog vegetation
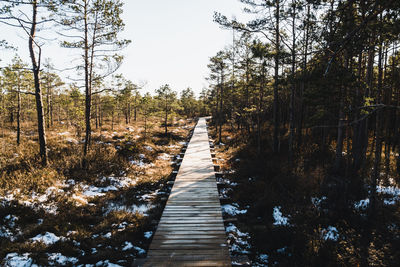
[[305, 118]]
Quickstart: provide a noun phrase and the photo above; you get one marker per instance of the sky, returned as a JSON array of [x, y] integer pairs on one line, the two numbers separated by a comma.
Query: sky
[[172, 42]]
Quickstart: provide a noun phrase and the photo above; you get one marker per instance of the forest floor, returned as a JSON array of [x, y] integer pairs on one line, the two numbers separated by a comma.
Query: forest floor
[[102, 215], [273, 218]]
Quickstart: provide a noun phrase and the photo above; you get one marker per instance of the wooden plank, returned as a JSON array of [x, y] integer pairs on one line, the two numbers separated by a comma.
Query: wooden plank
[[191, 230]]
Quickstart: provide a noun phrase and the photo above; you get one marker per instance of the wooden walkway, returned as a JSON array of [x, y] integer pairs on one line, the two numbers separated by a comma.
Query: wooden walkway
[[191, 230]]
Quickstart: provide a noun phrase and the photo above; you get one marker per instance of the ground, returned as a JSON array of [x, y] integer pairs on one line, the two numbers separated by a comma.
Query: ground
[[100, 215], [273, 218]]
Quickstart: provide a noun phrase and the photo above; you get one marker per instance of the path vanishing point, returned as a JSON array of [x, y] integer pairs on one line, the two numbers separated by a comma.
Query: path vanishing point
[[191, 230]]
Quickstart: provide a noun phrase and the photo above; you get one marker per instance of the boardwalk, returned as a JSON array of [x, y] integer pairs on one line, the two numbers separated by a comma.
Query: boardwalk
[[191, 230]]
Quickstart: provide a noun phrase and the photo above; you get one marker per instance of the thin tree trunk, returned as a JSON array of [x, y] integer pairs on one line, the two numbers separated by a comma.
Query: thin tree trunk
[[378, 135], [293, 87], [19, 111], [276, 83], [38, 92], [88, 81]]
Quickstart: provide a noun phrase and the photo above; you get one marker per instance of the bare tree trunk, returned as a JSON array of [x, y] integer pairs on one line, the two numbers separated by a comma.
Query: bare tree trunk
[[38, 92], [378, 134], [19, 111], [166, 115], [220, 107], [276, 83], [88, 82], [293, 87]]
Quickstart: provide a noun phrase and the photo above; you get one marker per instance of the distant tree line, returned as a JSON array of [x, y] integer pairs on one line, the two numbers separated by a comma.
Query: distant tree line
[[91, 27]]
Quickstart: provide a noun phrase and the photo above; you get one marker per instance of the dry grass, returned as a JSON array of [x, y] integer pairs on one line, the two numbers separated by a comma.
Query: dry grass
[[91, 223]]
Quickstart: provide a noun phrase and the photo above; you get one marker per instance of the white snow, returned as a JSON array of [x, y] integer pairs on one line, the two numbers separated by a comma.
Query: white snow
[[58, 258], [262, 260], [148, 148], [140, 162], [108, 235], [392, 191], [279, 218], [92, 191], [84, 191], [139, 250], [148, 234], [362, 204], [232, 209], [331, 233], [17, 260], [142, 208], [164, 156], [107, 263], [81, 200], [6, 233], [10, 220], [48, 238], [317, 201], [238, 240], [127, 246], [71, 140]]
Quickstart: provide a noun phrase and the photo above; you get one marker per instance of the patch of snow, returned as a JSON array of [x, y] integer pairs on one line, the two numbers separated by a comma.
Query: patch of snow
[[10, 220], [142, 209], [71, 140], [173, 146], [281, 250], [108, 235], [392, 191], [262, 260], [232, 209], [127, 246], [362, 204], [148, 234], [148, 148], [6, 233], [237, 240], [71, 182], [331, 233], [107, 263], [164, 156], [58, 258], [225, 191], [139, 250], [92, 191], [316, 201], [279, 219], [17, 260], [79, 199], [140, 162], [48, 238]]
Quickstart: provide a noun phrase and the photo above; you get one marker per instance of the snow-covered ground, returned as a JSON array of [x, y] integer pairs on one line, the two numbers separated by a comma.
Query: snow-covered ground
[[78, 194], [233, 209], [330, 233], [279, 218], [238, 241]]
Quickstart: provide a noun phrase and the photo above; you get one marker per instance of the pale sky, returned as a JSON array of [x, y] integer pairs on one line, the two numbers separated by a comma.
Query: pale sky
[[172, 41]]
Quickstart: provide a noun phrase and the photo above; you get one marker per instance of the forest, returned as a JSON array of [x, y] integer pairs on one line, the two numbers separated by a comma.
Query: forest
[[303, 116]]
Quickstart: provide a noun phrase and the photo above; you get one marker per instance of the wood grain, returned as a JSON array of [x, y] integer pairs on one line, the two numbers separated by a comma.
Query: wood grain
[[191, 230]]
